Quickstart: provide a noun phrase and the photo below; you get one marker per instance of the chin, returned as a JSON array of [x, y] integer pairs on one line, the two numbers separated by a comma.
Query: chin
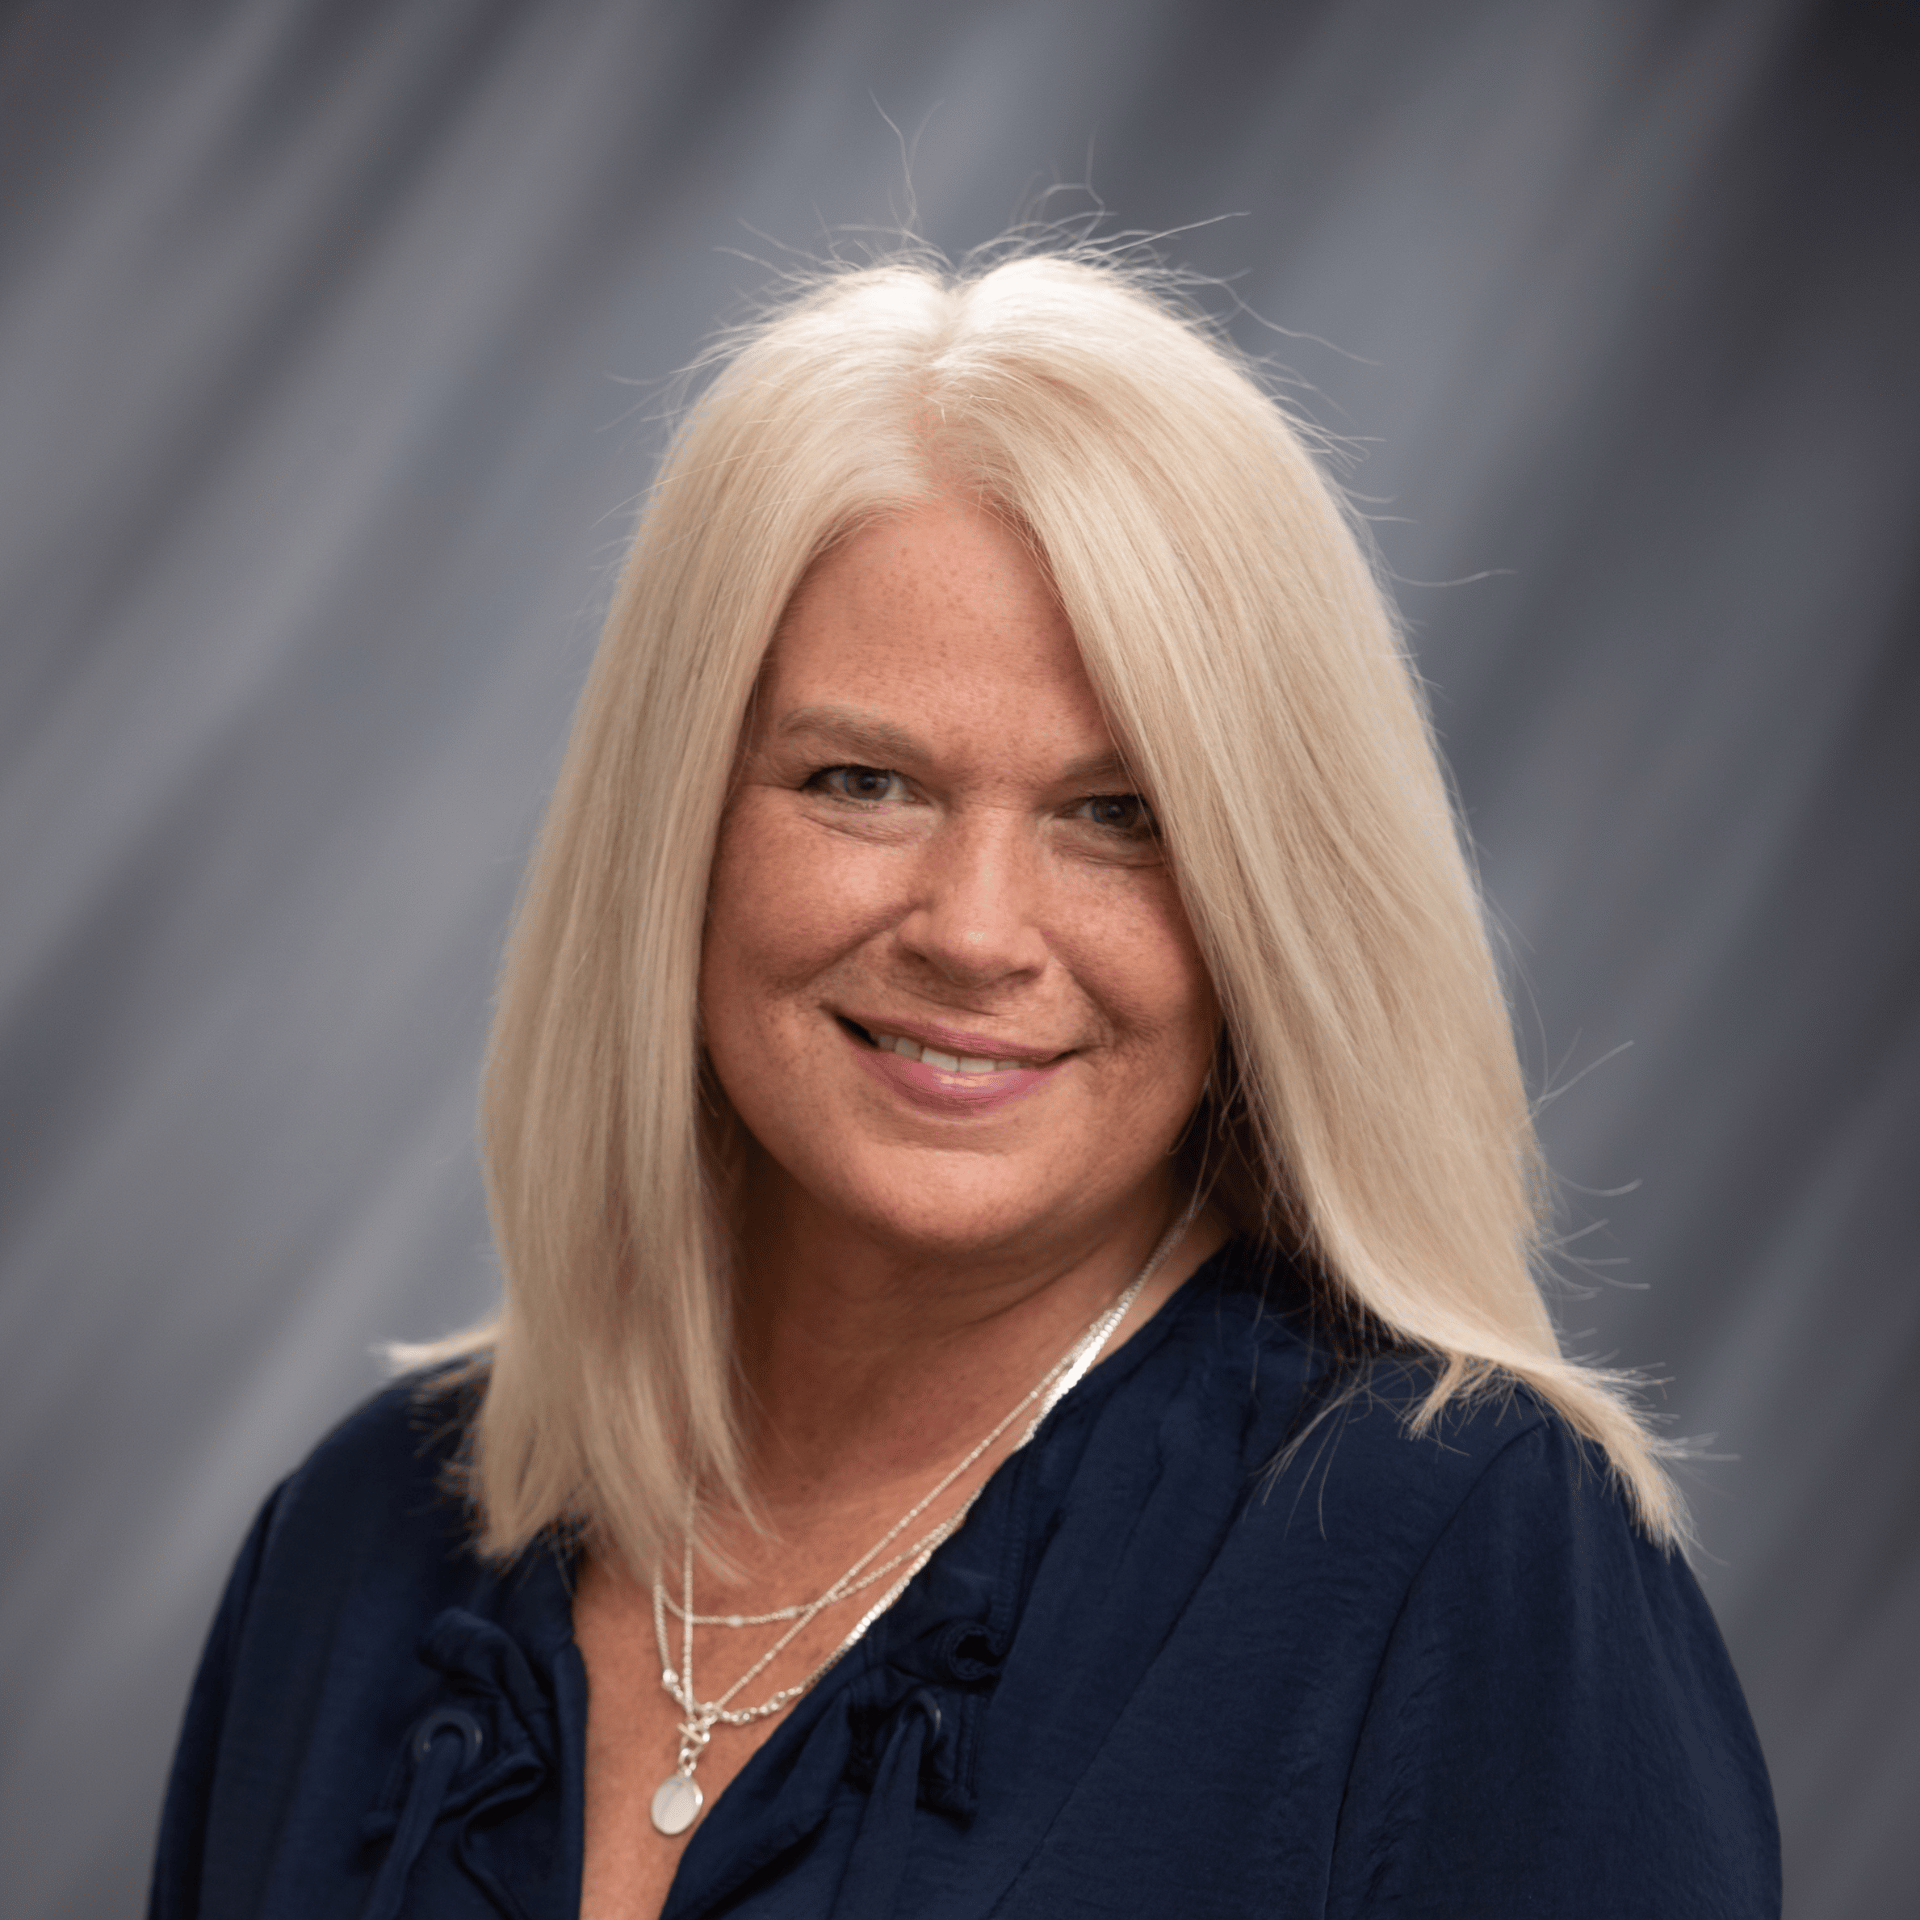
[[973, 1205], [914, 1209]]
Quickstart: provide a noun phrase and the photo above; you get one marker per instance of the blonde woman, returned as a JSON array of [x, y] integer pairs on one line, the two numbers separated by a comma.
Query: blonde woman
[[1022, 1387]]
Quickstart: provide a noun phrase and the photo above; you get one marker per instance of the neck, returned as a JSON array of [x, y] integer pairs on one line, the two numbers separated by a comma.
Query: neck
[[871, 1367]]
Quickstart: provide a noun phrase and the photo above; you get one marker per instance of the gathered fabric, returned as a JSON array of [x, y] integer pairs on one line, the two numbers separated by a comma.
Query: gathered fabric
[[487, 1745], [877, 1865], [472, 1756], [446, 1742]]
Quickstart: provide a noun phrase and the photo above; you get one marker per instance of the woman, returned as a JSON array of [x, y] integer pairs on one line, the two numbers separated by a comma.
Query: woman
[[1021, 1385]]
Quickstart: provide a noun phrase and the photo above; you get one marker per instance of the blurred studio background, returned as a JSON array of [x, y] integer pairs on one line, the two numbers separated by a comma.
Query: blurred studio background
[[334, 340]]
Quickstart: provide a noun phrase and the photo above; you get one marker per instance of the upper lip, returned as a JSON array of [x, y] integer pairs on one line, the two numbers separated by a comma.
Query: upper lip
[[956, 1040]]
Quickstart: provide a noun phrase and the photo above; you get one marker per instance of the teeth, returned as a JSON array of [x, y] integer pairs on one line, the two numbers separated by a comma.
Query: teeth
[[945, 1062]]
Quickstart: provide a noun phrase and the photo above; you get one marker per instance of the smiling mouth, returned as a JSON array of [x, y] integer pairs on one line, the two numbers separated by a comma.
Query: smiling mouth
[[884, 1042]]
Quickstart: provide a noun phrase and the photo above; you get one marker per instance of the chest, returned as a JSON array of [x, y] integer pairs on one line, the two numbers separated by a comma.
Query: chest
[[636, 1741]]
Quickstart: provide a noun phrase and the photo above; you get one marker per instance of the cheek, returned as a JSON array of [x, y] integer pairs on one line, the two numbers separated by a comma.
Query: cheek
[[781, 910], [1142, 962]]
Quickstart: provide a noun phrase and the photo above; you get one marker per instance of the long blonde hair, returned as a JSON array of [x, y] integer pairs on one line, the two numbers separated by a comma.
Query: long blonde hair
[[1253, 674]]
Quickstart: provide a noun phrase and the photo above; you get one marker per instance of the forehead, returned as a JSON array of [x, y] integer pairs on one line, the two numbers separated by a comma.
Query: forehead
[[937, 616]]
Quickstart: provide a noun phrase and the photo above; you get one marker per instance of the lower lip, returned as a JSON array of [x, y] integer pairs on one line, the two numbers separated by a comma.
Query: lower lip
[[937, 1090]]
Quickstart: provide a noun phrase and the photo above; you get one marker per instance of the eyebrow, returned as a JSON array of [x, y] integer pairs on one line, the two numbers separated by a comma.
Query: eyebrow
[[886, 745], [860, 732]]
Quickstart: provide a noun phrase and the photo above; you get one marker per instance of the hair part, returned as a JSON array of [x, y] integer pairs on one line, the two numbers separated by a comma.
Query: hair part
[[1368, 1115]]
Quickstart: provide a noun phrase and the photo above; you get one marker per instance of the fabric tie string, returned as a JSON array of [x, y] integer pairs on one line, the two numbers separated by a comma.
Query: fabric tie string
[[870, 1887], [446, 1742], [482, 1750]]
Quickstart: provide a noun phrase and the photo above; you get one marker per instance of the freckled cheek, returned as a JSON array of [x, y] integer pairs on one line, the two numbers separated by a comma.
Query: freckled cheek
[[1142, 965], [787, 902]]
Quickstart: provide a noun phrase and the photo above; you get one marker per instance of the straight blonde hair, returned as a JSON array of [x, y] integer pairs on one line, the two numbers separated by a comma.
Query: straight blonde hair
[[1369, 1097]]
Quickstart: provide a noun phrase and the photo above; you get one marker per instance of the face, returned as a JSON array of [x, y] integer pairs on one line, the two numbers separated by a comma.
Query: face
[[947, 984]]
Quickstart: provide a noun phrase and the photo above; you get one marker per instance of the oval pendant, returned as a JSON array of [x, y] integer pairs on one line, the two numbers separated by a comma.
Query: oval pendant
[[677, 1801]]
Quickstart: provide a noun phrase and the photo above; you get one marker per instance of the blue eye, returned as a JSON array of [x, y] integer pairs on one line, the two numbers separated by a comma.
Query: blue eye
[[1121, 813], [859, 783]]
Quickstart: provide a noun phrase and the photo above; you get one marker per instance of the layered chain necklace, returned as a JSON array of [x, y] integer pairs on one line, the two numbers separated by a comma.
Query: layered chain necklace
[[678, 1799]]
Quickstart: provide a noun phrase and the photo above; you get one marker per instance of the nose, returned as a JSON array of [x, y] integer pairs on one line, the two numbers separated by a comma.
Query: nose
[[977, 912]]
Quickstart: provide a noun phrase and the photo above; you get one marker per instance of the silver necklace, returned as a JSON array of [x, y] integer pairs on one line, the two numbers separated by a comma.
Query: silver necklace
[[678, 1799]]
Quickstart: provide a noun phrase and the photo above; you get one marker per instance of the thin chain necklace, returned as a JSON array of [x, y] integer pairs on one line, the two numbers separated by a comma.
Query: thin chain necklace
[[842, 1590], [678, 1799]]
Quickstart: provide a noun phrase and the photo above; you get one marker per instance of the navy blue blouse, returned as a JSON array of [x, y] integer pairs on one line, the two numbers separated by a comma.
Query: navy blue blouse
[[1429, 1677]]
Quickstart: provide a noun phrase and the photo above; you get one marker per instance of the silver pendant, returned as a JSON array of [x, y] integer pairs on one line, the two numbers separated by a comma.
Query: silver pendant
[[677, 1801]]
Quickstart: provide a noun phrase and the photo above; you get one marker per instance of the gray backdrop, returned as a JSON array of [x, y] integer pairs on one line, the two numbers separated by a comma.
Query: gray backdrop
[[331, 342]]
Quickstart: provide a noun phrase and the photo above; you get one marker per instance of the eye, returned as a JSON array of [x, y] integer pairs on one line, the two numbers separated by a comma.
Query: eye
[[1125, 814], [859, 783]]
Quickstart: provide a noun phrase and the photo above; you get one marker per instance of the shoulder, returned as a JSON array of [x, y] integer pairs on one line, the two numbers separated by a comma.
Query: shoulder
[[1537, 1701], [1498, 1501], [1327, 1425], [386, 1467], [1496, 1512], [1331, 1431], [357, 1603], [371, 1523], [1338, 1480], [1547, 1699], [1552, 1705], [1370, 1466], [1439, 1673]]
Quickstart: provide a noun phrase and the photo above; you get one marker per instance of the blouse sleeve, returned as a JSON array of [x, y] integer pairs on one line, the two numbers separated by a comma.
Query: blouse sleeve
[[176, 1891], [1555, 1727]]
